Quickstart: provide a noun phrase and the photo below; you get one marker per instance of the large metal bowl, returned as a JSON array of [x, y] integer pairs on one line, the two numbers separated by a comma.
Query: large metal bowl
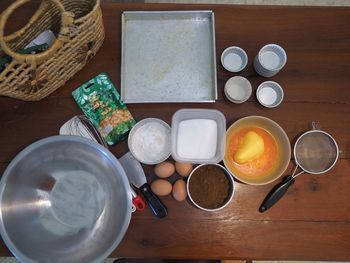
[[64, 199]]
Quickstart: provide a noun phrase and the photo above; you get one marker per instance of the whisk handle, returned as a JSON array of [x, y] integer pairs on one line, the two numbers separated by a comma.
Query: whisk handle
[[276, 193]]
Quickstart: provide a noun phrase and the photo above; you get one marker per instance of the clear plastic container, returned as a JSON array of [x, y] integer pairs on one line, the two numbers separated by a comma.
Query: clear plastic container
[[191, 114]]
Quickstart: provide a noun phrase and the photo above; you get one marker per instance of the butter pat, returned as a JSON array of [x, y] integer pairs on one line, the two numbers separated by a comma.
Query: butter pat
[[252, 147], [197, 139]]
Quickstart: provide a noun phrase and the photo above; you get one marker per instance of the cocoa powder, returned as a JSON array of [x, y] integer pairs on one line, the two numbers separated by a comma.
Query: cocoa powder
[[209, 186]]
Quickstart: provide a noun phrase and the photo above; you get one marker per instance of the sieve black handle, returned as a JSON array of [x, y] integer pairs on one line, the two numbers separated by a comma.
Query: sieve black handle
[[276, 193]]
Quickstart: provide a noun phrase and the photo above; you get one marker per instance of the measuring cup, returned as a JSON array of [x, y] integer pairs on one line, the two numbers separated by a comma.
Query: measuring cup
[[315, 152]]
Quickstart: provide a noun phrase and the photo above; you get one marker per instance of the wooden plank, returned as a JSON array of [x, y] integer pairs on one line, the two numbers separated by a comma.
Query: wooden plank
[[304, 33], [236, 239], [311, 198], [4, 251], [320, 83], [233, 239], [25, 122], [317, 67], [312, 222]]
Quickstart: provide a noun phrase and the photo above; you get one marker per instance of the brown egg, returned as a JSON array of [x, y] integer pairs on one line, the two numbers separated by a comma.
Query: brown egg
[[161, 187], [183, 169], [179, 190], [164, 169]]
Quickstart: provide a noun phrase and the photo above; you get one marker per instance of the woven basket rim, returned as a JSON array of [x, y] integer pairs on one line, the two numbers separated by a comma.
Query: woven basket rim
[[13, 34], [96, 6], [31, 80]]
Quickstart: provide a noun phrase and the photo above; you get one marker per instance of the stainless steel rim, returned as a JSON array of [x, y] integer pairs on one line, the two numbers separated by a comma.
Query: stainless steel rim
[[228, 175], [280, 67], [329, 136], [11, 246]]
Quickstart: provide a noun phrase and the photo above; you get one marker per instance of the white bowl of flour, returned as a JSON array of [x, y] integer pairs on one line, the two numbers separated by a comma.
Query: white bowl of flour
[[150, 141]]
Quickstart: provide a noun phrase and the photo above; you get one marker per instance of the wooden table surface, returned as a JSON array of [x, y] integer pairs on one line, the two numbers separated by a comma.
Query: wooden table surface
[[312, 222]]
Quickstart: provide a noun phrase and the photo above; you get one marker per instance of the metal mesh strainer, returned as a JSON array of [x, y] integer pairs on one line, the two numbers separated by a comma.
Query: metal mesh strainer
[[315, 152]]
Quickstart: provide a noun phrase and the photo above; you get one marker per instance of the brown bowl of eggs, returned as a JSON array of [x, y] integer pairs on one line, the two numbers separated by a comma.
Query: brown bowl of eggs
[[257, 150]]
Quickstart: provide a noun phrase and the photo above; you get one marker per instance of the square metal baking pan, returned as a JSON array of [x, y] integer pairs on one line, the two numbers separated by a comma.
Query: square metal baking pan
[[168, 56]]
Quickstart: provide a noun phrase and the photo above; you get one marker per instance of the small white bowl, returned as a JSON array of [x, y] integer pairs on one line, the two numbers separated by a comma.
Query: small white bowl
[[270, 60], [270, 94], [238, 89], [234, 59], [149, 152], [229, 197]]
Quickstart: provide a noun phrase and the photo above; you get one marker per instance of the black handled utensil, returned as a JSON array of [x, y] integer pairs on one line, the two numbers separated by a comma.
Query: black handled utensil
[[137, 177], [276, 193], [315, 152], [157, 207]]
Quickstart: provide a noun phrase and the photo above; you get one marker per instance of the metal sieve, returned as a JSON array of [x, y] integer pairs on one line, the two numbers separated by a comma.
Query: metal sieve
[[315, 152]]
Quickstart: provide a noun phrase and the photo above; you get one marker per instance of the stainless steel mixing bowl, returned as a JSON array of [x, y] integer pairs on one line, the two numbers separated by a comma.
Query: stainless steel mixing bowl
[[64, 199]]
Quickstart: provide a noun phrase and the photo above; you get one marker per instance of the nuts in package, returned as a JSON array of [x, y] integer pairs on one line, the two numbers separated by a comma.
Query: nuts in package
[[101, 103]]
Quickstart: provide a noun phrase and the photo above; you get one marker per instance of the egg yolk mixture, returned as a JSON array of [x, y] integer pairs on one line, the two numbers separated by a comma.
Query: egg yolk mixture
[[252, 151]]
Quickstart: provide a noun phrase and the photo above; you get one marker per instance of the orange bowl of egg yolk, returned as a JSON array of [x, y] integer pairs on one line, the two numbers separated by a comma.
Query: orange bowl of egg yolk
[[257, 150]]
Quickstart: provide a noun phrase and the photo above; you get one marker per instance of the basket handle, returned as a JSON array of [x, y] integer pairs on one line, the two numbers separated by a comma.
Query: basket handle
[[66, 21]]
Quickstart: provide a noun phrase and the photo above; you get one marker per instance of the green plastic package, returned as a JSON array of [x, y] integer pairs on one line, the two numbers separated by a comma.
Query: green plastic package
[[101, 103]]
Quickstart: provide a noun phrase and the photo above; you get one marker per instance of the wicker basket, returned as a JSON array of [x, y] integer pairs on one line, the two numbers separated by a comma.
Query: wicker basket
[[78, 26]]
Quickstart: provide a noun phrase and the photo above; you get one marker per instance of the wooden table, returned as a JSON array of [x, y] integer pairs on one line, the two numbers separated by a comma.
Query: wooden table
[[312, 222]]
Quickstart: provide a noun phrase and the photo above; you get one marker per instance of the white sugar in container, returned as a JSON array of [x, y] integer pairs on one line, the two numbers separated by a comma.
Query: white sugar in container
[[198, 136]]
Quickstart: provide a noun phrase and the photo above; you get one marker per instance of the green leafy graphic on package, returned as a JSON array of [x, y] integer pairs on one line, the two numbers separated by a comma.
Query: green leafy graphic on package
[[101, 103]]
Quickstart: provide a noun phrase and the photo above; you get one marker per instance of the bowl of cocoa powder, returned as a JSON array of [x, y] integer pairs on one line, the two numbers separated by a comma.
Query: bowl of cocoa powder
[[210, 187]]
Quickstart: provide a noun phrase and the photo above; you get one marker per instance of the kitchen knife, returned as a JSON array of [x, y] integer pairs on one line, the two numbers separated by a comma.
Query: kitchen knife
[[137, 177]]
